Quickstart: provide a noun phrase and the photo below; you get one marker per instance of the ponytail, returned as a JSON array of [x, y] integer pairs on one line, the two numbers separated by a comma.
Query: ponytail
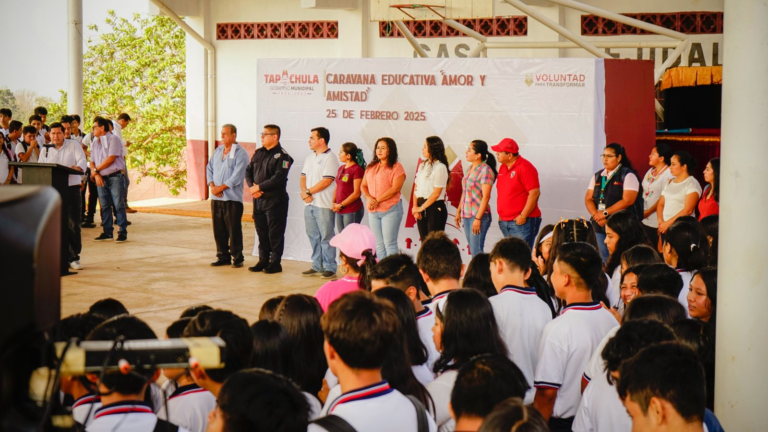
[[360, 159], [356, 153], [365, 268], [691, 247], [481, 148]]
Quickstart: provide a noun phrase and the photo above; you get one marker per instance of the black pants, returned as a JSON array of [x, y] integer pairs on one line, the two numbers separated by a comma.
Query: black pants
[[561, 424], [73, 223], [653, 236], [432, 219], [228, 229], [270, 216], [93, 197]]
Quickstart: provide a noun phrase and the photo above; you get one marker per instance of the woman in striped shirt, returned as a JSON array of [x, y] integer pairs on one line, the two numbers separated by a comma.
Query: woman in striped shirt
[[474, 211]]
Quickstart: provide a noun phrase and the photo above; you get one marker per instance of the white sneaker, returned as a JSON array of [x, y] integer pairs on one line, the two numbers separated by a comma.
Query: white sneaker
[[75, 265]]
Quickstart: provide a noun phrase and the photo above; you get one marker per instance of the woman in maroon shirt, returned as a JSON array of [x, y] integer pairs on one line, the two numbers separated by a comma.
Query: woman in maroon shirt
[[347, 203], [710, 197]]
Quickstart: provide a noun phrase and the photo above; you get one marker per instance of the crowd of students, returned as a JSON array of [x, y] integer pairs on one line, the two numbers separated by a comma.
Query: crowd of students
[[527, 340], [99, 155]]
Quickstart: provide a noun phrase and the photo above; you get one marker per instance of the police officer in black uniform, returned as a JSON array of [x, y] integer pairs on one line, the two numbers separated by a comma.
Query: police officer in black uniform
[[267, 177]]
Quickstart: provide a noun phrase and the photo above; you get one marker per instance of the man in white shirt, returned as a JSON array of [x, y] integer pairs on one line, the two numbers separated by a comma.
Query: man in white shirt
[[359, 332], [520, 313], [89, 209], [5, 120], [569, 340], [7, 155], [13, 139], [28, 149], [440, 265], [69, 154], [107, 166], [122, 122], [317, 176]]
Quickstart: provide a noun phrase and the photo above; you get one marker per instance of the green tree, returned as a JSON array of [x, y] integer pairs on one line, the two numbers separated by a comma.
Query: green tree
[[138, 67], [8, 100]]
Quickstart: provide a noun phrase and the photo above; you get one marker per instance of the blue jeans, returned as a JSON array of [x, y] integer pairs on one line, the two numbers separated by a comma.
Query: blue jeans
[[476, 241], [526, 231], [604, 253], [385, 227], [344, 219], [112, 194], [319, 225]]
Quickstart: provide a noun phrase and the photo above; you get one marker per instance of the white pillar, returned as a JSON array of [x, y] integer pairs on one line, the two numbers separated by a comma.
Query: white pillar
[[75, 51], [741, 386]]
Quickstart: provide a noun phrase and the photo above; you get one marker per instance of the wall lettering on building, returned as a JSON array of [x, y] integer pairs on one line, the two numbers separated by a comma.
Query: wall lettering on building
[[459, 51], [696, 55]]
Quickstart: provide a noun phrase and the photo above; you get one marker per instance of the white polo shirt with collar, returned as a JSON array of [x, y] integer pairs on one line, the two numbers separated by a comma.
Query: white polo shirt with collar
[[521, 317], [425, 320], [129, 416], [188, 406], [318, 167], [70, 154]]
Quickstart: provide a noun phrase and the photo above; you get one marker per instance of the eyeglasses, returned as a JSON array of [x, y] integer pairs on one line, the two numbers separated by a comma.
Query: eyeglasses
[[265, 134]]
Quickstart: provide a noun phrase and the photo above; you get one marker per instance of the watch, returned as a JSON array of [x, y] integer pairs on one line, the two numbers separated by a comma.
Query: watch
[[308, 192], [341, 206], [605, 213]]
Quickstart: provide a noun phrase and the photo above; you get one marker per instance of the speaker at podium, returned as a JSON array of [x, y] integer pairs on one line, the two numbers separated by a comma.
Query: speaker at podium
[[56, 176]]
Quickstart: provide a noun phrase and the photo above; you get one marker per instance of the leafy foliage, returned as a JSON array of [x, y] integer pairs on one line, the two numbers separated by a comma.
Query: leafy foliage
[[138, 67]]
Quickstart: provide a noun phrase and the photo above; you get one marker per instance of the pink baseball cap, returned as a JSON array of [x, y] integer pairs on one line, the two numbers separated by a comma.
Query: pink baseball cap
[[354, 240], [507, 145]]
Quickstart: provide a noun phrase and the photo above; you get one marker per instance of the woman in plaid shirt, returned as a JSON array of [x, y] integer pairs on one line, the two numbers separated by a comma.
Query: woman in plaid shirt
[[474, 211]]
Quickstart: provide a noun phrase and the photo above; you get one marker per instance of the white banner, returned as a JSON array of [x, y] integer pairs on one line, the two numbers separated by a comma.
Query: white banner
[[553, 108]]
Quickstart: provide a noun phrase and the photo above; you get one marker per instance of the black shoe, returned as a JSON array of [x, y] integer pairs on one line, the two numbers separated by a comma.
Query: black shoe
[[311, 272], [273, 268], [260, 266], [328, 275], [121, 238], [237, 264], [127, 222], [104, 237], [220, 263], [88, 224]]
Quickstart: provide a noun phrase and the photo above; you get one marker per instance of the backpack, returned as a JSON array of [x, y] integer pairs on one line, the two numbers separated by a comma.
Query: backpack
[[333, 423]]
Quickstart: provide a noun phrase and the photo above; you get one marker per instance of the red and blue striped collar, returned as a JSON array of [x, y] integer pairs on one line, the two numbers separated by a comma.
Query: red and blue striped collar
[[185, 390], [372, 391], [87, 399], [126, 407], [519, 290], [424, 313], [589, 306], [442, 295]]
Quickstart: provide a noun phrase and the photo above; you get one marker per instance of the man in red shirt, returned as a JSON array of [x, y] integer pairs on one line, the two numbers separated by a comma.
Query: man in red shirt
[[518, 193]]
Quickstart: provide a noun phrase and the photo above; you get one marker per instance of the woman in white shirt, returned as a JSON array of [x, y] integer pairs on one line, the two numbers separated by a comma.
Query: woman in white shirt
[[432, 180], [681, 195], [653, 184]]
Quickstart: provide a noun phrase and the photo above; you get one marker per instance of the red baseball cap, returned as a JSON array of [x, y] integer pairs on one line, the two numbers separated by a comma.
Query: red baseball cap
[[507, 145]]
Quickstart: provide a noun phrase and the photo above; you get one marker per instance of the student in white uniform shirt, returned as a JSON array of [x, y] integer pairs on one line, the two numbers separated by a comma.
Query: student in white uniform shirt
[[685, 250], [69, 154], [622, 231], [37, 122], [359, 332], [440, 265], [400, 272], [521, 315], [482, 383], [123, 408], [257, 400], [28, 149], [465, 327], [122, 122], [5, 120], [570, 339], [431, 183], [7, 155], [13, 139], [600, 408]]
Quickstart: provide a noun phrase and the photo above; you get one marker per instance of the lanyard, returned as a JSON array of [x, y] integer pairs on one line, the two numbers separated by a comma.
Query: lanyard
[[604, 182]]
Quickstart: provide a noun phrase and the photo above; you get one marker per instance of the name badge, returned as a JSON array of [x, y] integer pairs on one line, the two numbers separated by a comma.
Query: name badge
[[345, 178], [601, 207]]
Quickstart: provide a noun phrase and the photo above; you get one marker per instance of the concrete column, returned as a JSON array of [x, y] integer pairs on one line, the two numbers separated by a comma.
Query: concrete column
[[741, 386], [75, 56]]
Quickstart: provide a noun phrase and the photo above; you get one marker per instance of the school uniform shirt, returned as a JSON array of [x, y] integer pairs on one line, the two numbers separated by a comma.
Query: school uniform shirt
[[129, 416], [19, 150], [601, 410], [675, 194], [613, 292], [440, 390], [566, 345], [521, 316], [425, 320], [652, 188], [229, 170], [332, 290], [84, 408], [596, 365], [683, 296], [188, 406], [314, 405], [431, 175], [375, 408], [7, 155], [318, 167], [439, 300], [423, 374], [513, 186], [70, 154]]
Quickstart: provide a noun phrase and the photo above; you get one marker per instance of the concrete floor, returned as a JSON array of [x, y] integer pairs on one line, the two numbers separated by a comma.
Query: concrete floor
[[164, 268]]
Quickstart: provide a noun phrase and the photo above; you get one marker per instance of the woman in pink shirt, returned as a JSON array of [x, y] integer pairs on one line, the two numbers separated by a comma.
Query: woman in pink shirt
[[356, 245], [381, 186]]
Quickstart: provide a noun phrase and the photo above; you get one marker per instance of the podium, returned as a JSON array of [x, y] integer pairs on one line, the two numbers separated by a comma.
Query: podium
[[57, 176]]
